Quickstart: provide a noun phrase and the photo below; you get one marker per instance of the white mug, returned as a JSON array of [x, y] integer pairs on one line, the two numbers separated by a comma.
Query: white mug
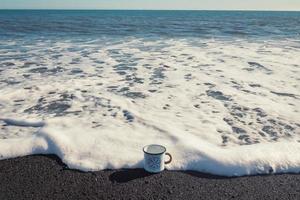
[[154, 158]]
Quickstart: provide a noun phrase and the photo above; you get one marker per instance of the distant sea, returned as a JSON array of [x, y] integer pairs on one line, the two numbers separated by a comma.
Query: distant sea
[[219, 89], [105, 23]]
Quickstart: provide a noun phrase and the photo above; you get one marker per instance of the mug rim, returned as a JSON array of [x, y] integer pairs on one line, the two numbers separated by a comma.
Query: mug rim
[[154, 153]]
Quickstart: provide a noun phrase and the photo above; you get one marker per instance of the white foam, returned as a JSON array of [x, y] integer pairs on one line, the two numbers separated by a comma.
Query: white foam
[[13, 122], [204, 100]]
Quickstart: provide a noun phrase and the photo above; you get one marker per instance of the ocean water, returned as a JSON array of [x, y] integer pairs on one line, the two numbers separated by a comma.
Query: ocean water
[[221, 90]]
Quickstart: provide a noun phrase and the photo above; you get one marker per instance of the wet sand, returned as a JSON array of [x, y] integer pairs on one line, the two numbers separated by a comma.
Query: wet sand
[[46, 177]]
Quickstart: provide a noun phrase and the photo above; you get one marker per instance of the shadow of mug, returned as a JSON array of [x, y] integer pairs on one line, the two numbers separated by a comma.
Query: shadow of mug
[[127, 175]]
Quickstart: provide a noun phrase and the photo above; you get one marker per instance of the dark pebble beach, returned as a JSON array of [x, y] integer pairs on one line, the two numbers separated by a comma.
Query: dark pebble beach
[[46, 177]]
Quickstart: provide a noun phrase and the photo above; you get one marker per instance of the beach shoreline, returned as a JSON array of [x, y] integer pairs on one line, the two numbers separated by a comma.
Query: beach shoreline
[[46, 177], [88, 90]]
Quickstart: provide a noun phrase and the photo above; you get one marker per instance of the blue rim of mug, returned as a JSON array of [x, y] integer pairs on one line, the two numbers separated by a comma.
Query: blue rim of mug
[[154, 153]]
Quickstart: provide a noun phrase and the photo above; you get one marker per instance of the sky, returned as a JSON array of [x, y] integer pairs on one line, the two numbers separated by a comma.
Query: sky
[[154, 4]]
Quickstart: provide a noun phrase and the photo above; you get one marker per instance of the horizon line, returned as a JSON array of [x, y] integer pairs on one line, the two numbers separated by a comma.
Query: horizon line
[[141, 9]]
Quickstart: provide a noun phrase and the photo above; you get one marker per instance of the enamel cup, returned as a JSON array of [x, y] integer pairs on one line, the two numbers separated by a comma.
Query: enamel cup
[[154, 158]]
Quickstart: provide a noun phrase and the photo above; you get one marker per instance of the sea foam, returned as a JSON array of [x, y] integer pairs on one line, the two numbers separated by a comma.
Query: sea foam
[[222, 107]]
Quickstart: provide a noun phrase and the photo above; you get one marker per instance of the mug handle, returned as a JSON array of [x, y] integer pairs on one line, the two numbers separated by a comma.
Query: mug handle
[[170, 158]]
